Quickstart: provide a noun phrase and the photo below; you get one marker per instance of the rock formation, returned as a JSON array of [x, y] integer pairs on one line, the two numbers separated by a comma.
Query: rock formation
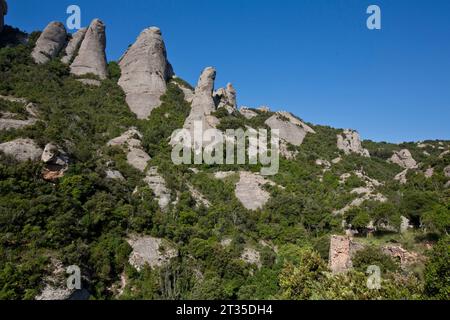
[[3, 12], [447, 171], [56, 162], [402, 177], [22, 150], [130, 141], [251, 256], [158, 185], [73, 46], [247, 113], [292, 130], [403, 256], [8, 121], [91, 58], [429, 173], [114, 175], [203, 102], [350, 142], [249, 190], [404, 159], [50, 43], [145, 71], [226, 98], [150, 251]]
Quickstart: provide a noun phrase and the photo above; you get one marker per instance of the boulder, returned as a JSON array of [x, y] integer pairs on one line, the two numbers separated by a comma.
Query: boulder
[[130, 142], [158, 185], [404, 159], [226, 98], [73, 46], [447, 171], [145, 72], [249, 190], [114, 175], [22, 150], [251, 256], [350, 142], [56, 162], [3, 12], [50, 43], [150, 251], [91, 58]]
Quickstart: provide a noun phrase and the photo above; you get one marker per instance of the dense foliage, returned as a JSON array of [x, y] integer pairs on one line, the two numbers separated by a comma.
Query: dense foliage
[[85, 219]]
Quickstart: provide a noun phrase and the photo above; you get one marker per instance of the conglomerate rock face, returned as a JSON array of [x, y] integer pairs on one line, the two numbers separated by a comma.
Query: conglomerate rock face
[[154, 252], [350, 142], [249, 190], [91, 58], [342, 248], [291, 129], [145, 72], [203, 104], [50, 43], [74, 45], [22, 150], [404, 159]]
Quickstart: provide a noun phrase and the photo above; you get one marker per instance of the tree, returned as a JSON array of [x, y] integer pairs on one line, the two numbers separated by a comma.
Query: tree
[[437, 271]]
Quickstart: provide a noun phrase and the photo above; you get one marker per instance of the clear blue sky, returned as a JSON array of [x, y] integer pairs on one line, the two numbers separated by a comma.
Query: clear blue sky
[[315, 58]]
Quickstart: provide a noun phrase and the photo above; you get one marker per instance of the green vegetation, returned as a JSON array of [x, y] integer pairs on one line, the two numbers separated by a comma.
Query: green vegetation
[[85, 219]]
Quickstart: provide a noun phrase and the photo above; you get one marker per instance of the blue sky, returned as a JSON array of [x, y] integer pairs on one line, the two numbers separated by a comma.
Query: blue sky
[[315, 58]]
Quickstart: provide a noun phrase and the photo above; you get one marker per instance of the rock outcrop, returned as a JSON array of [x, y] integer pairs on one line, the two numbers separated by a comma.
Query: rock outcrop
[[404, 159], [150, 251], [226, 98], [3, 12], [404, 257], [130, 142], [50, 43], [56, 162], [249, 190], [145, 72], [402, 177], [73, 46], [350, 142], [251, 256], [22, 150], [291, 129], [8, 121], [114, 175], [158, 185], [247, 113], [91, 58], [203, 102]]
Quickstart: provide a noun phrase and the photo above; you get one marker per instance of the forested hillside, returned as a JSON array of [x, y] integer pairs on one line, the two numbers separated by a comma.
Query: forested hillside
[[209, 244]]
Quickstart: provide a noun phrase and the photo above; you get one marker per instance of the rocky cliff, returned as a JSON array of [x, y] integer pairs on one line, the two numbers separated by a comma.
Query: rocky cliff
[[91, 58], [145, 72]]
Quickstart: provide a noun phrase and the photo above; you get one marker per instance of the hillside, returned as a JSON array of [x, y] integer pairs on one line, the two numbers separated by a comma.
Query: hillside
[[87, 179]]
